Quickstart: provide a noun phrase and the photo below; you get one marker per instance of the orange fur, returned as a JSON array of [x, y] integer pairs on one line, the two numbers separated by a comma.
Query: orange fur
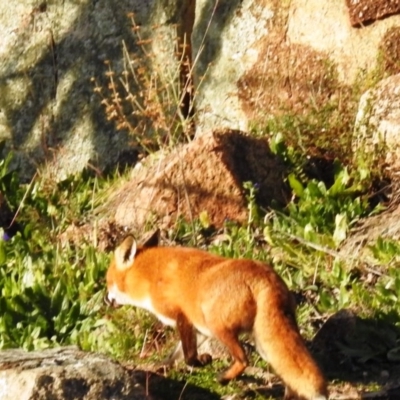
[[192, 289]]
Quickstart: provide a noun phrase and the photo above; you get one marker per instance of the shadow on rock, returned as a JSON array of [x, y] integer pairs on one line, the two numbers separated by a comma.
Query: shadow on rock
[[161, 388]]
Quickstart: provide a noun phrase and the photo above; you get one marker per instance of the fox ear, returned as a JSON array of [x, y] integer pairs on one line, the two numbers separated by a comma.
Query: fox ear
[[125, 253], [153, 240]]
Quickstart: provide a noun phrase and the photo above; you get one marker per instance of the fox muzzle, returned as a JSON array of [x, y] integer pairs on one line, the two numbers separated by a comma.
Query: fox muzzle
[[110, 301]]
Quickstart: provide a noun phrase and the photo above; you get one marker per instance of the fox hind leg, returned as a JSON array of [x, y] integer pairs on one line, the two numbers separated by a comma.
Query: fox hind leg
[[231, 342]]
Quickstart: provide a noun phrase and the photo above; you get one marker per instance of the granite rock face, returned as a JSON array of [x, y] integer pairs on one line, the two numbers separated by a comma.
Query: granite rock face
[[251, 60], [363, 12], [49, 52], [64, 374], [378, 123], [260, 58]]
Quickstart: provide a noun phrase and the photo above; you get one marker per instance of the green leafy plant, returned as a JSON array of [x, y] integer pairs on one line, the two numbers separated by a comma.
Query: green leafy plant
[[47, 299], [9, 182], [50, 293]]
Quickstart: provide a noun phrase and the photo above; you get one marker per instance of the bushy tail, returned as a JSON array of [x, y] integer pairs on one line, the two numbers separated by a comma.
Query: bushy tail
[[279, 342]]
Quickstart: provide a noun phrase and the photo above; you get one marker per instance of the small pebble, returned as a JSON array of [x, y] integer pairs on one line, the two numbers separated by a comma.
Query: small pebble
[[385, 374]]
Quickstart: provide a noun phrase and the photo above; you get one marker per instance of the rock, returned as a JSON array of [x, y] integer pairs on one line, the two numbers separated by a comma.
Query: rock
[[347, 343], [252, 60], [337, 327], [204, 176], [261, 58], [377, 126], [64, 374], [104, 235], [224, 43], [385, 225], [49, 111], [377, 140], [363, 12]]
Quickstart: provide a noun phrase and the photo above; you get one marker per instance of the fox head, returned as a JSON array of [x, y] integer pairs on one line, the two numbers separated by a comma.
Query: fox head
[[123, 261]]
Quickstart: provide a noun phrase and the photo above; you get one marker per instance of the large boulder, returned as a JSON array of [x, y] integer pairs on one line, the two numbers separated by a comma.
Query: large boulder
[[49, 112], [205, 176], [368, 11], [376, 141], [264, 57], [64, 374], [377, 127]]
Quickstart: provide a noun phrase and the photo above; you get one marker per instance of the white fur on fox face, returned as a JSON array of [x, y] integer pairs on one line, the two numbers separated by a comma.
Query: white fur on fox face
[[121, 298]]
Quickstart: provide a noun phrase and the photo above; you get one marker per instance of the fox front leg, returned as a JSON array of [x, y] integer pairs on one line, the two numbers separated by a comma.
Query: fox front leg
[[177, 354], [189, 343]]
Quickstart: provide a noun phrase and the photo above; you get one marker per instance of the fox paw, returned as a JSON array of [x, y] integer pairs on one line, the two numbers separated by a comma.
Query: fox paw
[[204, 359], [199, 361]]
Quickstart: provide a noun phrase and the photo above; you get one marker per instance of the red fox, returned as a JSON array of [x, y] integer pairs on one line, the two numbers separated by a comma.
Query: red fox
[[219, 297]]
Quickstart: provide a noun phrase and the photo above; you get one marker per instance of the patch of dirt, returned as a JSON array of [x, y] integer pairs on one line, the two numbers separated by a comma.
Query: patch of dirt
[[296, 82], [104, 235]]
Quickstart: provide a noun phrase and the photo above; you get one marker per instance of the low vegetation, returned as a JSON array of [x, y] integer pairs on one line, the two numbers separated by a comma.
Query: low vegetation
[[52, 290]]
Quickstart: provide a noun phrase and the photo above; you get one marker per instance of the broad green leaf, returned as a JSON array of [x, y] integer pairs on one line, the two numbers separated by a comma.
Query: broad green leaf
[[341, 227], [3, 256], [296, 185], [340, 184], [315, 188]]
